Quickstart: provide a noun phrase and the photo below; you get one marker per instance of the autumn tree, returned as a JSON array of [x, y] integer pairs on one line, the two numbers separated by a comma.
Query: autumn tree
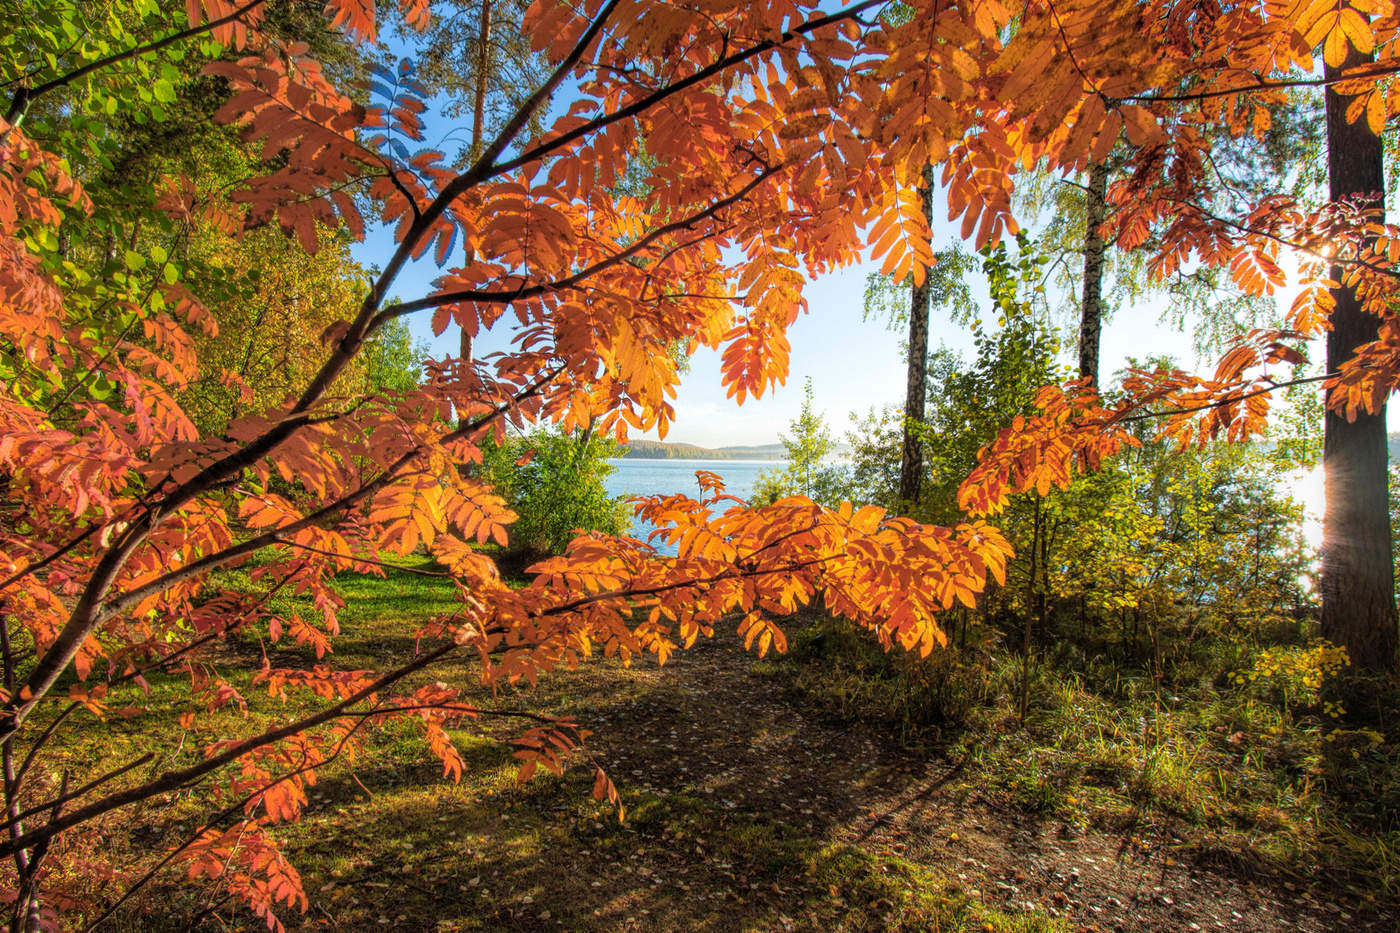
[[118, 509], [1357, 582], [784, 140]]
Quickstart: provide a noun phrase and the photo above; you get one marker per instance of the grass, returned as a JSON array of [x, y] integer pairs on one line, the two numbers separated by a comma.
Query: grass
[[1250, 769], [387, 843], [729, 826]]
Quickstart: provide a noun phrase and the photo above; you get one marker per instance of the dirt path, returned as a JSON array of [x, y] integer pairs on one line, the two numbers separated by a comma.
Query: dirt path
[[748, 812], [707, 724]]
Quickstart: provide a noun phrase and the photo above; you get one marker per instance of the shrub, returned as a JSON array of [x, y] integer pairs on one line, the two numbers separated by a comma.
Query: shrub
[[555, 484]]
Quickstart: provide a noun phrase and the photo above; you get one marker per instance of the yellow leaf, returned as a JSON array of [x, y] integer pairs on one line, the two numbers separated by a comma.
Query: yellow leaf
[[1334, 49], [1354, 26]]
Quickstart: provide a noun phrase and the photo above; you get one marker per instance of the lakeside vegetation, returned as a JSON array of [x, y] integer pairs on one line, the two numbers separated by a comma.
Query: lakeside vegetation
[[307, 626], [666, 450]]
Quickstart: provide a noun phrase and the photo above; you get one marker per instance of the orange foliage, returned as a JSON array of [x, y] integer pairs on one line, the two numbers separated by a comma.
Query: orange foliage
[[787, 141]]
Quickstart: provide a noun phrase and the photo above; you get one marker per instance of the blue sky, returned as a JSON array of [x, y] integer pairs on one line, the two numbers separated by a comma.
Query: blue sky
[[853, 364]]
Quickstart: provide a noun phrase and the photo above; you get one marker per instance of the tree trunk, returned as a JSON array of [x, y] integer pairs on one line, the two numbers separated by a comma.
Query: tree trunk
[[1358, 596], [483, 67], [1091, 307], [1031, 597], [911, 459]]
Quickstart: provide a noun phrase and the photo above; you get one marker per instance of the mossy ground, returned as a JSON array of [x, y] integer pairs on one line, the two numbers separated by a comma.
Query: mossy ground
[[755, 801]]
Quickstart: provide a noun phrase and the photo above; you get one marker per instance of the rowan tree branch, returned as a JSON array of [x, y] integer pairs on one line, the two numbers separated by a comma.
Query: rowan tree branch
[[699, 77], [15, 818], [182, 777], [1265, 84], [218, 559], [1221, 403], [530, 291], [364, 560], [172, 780]]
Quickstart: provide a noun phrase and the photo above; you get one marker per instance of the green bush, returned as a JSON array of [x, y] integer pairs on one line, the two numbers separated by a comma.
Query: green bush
[[842, 670], [806, 470], [555, 483]]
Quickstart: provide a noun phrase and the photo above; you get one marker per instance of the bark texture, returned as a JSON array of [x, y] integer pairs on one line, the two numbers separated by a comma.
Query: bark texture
[[483, 68], [1091, 305], [911, 458], [1358, 596]]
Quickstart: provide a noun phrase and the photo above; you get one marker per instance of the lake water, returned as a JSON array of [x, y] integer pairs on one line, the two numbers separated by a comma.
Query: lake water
[[635, 476]]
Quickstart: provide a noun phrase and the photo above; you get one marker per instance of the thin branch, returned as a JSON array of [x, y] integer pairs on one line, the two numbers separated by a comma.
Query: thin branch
[[181, 777], [530, 291], [1074, 59], [44, 736], [208, 637], [217, 818], [218, 559], [1290, 244], [657, 590], [66, 796], [526, 110], [1221, 403], [25, 96], [393, 177], [362, 718], [56, 555], [1263, 84], [699, 77], [364, 560]]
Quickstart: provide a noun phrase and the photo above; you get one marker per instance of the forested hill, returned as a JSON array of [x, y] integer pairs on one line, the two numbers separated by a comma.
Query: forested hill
[[660, 450]]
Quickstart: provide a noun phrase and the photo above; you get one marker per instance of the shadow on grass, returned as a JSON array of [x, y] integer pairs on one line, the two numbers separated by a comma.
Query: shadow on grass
[[736, 812]]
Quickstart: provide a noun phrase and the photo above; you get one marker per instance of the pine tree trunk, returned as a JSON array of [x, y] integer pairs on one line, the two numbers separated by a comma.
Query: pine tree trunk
[[911, 459], [483, 67], [1091, 307], [1358, 596]]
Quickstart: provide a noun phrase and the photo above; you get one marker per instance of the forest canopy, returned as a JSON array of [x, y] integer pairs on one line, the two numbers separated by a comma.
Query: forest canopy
[[206, 406]]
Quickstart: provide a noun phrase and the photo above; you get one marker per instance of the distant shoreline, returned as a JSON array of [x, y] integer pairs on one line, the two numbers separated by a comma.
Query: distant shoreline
[[662, 450], [699, 459]]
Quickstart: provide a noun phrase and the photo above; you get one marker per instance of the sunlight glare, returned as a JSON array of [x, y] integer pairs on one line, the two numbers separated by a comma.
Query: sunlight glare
[[1306, 488]]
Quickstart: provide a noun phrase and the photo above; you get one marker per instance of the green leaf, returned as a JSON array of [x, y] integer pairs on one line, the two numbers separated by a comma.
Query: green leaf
[[164, 91], [134, 260]]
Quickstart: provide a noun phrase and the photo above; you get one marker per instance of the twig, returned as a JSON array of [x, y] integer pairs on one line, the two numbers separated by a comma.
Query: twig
[[25, 96]]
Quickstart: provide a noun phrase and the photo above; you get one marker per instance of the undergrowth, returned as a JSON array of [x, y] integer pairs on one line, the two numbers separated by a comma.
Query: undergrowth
[[1235, 753]]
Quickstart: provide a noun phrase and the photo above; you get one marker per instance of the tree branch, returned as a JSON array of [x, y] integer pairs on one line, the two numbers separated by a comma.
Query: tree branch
[[25, 96], [213, 561], [1263, 84], [171, 780], [1221, 403], [699, 77], [530, 291]]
